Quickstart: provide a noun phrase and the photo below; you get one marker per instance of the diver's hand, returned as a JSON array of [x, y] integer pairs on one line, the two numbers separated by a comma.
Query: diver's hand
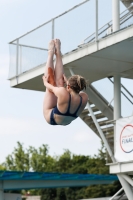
[[45, 79]]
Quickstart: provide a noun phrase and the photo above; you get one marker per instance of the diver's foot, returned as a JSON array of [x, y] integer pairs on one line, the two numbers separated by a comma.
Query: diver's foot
[[51, 47], [57, 47]]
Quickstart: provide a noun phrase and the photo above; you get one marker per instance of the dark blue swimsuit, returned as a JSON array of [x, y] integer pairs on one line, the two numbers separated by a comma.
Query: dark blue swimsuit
[[56, 111]]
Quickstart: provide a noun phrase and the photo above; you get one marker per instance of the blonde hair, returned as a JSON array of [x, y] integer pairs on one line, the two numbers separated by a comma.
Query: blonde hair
[[77, 83]]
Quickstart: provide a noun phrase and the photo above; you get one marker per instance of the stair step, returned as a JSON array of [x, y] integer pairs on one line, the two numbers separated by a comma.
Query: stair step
[[110, 136], [90, 102], [95, 109], [98, 116], [86, 112], [108, 129], [104, 122]]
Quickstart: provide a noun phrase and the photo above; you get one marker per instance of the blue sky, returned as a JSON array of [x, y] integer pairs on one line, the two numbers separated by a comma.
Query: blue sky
[[21, 117]]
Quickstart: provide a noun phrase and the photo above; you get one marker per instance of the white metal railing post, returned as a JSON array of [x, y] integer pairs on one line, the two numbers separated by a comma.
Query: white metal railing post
[[96, 18], [52, 28], [20, 60], [116, 14], [17, 57]]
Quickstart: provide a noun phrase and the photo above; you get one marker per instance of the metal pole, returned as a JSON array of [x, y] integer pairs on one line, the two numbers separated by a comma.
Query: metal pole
[[17, 57], [20, 60], [117, 97], [128, 179], [116, 194], [117, 115], [100, 132], [127, 187], [116, 14], [117, 102], [96, 16], [53, 29]]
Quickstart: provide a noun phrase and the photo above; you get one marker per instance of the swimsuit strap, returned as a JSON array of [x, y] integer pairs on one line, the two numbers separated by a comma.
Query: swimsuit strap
[[78, 106], [68, 109]]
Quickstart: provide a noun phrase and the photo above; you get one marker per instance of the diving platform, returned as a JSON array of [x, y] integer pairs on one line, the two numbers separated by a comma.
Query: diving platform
[[96, 60]]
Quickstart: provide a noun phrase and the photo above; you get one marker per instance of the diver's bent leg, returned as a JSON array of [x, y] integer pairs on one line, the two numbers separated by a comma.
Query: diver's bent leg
[[49, 69], [50, 101]]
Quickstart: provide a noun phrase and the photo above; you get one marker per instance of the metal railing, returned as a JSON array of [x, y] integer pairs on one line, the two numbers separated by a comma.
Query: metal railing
[[30, 50], [107, 84], [51, 20], [107, 29], [35, 41], [124, 93]]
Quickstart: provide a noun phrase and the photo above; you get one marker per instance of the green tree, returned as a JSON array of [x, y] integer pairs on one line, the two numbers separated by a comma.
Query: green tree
[[18, 160], [39, 160], [2, 167]]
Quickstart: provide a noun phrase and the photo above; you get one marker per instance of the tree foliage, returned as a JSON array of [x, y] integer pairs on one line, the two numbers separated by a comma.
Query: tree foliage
[[33, 159]]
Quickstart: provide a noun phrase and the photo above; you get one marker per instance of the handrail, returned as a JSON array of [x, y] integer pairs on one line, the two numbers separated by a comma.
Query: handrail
[[129, 12], [23, 45], [101, 96], [123, 92], [51, 20]]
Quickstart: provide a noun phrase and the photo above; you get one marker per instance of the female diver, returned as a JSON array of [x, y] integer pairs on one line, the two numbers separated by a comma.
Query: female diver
[[61, 104]]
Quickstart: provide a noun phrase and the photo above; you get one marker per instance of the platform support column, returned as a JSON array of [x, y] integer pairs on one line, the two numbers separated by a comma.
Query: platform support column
[[116, 14], [117, 97], [117, 114], [117, 101]]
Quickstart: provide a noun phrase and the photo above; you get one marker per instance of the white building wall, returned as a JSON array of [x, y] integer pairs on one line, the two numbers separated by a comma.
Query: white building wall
[[32, 197]]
